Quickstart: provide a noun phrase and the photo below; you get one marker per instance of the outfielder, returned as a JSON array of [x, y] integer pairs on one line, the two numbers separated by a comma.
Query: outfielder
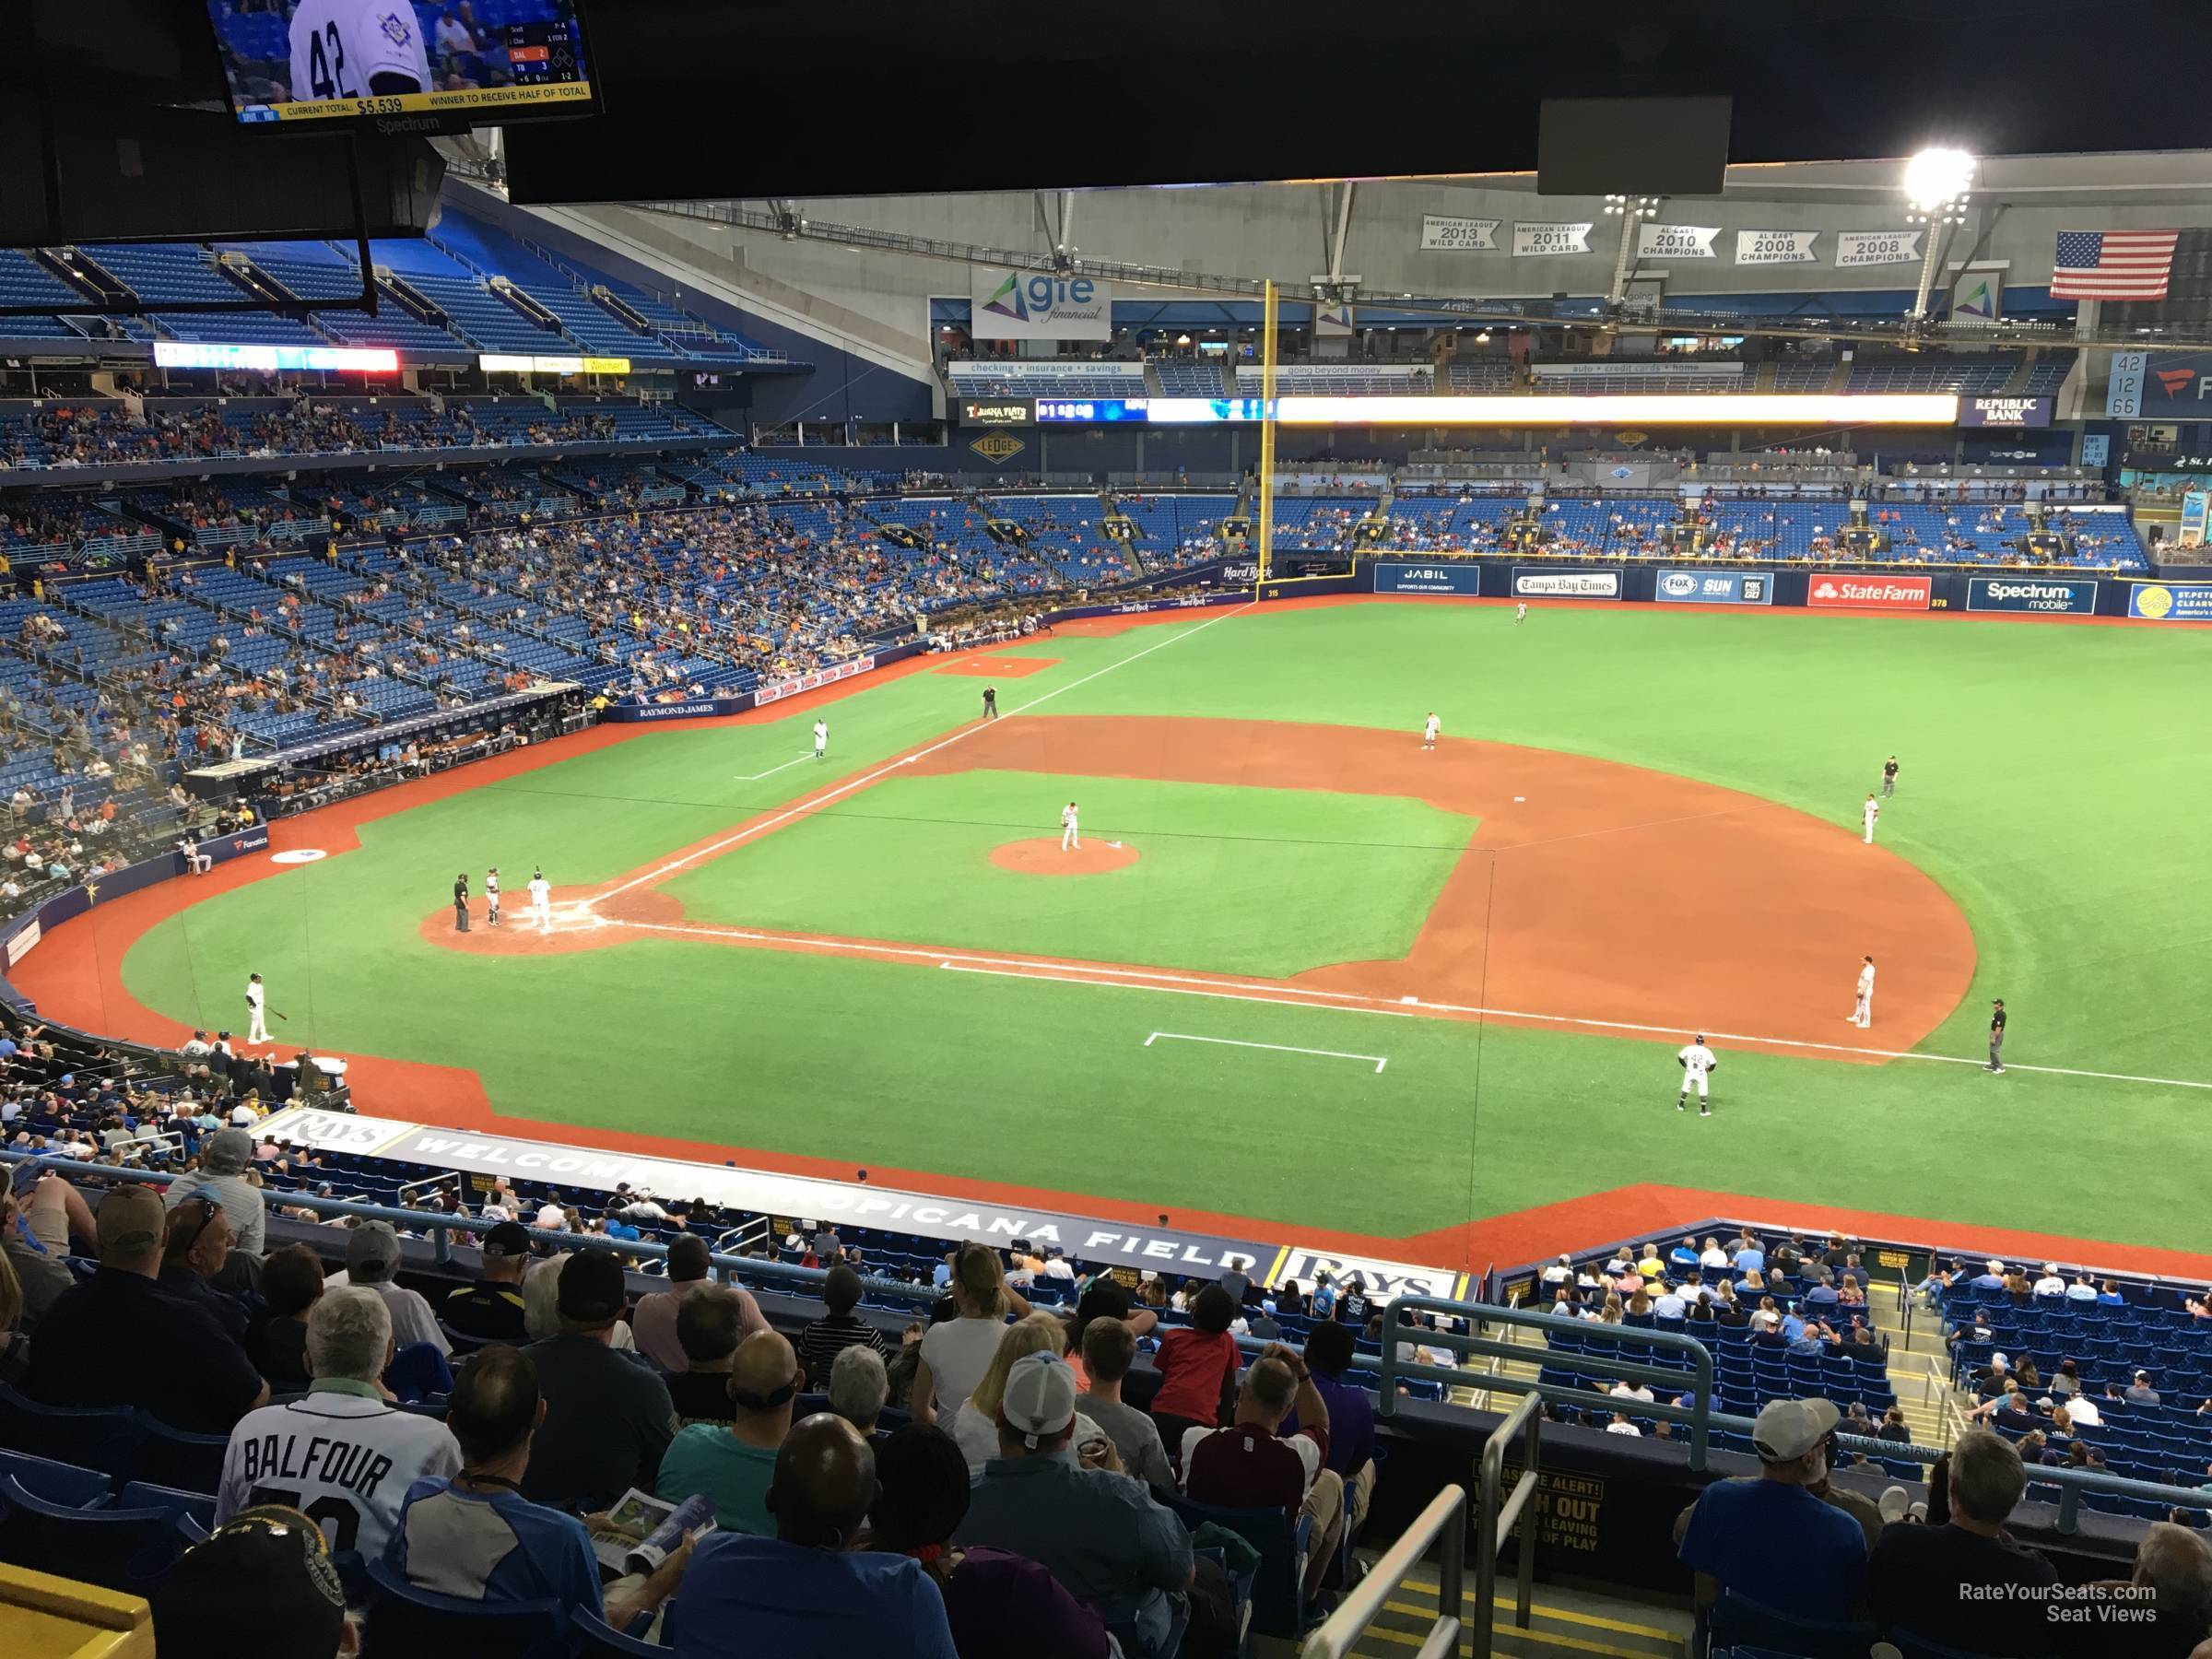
[[1070, 837], [491, 896], [1862, 1012], [257, 1028], [541, 900], [1697, 1063], [1871, 811], [1519, 613], [821, 739], [1429, 728]]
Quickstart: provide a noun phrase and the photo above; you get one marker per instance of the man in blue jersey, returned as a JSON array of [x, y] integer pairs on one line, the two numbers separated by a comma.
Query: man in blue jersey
[[1771, 1539], [476, 1536]]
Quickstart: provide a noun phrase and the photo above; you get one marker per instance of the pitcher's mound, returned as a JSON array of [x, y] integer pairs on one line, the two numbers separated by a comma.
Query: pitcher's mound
[[1044, 857]]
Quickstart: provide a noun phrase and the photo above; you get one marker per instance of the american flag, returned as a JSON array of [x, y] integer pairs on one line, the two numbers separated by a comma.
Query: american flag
[[2112, 264]]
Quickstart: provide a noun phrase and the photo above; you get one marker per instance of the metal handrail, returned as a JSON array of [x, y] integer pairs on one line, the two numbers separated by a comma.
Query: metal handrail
[[1495, 1520], [1394, 1369], [1445, 1517]]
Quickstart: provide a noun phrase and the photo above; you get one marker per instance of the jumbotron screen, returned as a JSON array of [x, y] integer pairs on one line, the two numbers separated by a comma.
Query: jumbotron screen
[[463, 63]]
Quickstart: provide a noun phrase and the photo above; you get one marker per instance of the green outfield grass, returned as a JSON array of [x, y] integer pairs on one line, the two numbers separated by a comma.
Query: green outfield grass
[[1228, 880], [2057, 781]]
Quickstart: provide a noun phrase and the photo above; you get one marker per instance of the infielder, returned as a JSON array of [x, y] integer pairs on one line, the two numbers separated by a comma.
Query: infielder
[[491, 896], [357, 48], [1889, 776], [1429, 728], [1070, 837], [1697, 1063], [541, 900], [1862, 1012], [1871, 811], [257, 1029], [1519, 613], [821, 739]]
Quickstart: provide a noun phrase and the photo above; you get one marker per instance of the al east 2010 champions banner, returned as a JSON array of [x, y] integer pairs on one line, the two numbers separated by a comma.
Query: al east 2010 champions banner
[[1775, 247], [1676, 241], [1039, 305]]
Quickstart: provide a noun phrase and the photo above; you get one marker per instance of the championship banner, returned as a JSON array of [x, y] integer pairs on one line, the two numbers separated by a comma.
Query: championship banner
[[1775, 247], [1333, 321], [1831, 590], [1039, 305], [1861, 248], [1459, 235], [1541, 241], [1676, 241], [2194, 505]]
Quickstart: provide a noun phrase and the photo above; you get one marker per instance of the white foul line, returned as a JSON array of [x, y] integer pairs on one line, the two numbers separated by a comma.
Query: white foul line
[[1343, 1002], [1280, 1048], [827, 796], [771, 771], [1282, 1000]]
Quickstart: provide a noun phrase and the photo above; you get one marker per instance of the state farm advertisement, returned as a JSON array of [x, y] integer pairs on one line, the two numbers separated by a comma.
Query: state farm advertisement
[[1828, 590]]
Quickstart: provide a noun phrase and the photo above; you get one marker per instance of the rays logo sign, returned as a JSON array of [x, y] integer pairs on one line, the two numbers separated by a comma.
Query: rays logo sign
[[1040, 305]]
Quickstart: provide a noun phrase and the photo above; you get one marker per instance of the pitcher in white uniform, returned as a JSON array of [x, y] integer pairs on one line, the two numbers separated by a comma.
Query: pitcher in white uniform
[[1070, 837]]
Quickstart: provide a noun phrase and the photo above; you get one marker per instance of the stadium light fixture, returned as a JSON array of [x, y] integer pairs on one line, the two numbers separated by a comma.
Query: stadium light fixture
[[1937, 180]]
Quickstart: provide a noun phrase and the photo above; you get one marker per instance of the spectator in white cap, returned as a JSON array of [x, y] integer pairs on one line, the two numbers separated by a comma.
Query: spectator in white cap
[[1103, 1535], [2051, 1284], [1754, 1535]]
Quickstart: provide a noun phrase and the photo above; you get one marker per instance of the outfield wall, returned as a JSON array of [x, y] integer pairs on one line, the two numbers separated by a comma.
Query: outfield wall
[[1874, 588]]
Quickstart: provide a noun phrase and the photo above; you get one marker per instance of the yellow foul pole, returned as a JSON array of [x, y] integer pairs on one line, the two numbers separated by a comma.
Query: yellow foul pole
[[1267, 431]]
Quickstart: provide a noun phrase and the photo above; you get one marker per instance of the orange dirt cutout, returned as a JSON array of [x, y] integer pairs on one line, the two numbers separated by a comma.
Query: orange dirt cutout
[[1595, 896], [997, 667], [1045, 856]]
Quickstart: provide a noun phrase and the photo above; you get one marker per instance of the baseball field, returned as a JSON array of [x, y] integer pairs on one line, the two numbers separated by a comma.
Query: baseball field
[[1303, 970]]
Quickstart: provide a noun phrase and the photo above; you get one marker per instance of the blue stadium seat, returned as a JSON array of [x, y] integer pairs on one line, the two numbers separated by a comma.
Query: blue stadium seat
[[170, 1457], [1278, 1601], [140, 1494], [107, 1439], [424, 1624], [121, 1549], [1737, 1620], [55, 1482]]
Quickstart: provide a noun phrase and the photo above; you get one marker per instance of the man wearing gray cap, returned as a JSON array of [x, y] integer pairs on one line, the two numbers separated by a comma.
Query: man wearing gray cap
[[1771, 1539], [372, 1261], [222, 1176], [1103, 1535]]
